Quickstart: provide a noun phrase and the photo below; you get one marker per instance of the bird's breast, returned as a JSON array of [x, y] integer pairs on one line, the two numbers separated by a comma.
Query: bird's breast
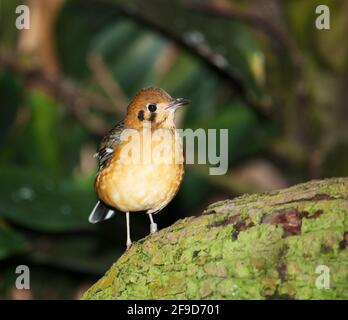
[[145, 172]]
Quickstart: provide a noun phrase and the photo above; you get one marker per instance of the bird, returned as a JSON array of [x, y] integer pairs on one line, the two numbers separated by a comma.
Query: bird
[[128, 179]]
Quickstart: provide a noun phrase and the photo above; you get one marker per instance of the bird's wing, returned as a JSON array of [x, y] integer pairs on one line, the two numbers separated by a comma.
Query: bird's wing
[[108, 145]]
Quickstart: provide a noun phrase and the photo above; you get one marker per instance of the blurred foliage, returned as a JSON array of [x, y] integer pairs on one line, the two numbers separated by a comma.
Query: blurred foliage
[[291, 114]]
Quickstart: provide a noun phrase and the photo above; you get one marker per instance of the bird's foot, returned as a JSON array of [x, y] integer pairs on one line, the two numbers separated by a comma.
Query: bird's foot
[[153, 228], [129, 244]]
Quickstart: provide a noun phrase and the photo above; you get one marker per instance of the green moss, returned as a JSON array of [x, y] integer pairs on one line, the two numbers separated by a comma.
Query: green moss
[[197, 257]]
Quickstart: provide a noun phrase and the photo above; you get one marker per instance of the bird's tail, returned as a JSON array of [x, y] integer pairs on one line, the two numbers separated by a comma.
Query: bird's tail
[[100, 212]]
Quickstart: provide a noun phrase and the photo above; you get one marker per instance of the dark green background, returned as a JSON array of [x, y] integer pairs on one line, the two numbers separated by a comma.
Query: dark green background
[[281, 91]]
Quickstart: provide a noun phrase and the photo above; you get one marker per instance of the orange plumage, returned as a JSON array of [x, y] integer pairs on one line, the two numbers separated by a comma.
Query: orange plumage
[[140, 159]]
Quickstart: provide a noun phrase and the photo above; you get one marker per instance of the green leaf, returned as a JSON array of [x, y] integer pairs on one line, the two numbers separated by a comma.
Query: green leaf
[[10, 97], [11, 242], [82, 253], [33, 200], [245, 135], [44, 129], [81, 22]]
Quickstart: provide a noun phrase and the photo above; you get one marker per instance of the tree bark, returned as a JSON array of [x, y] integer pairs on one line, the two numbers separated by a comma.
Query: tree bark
[[288, 244]]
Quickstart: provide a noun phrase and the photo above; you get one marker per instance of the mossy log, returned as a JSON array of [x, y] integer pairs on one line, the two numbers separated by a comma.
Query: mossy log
[[260, 246]]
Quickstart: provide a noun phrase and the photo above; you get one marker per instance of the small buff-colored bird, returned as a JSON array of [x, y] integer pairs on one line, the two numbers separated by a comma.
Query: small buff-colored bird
[[140, 159]]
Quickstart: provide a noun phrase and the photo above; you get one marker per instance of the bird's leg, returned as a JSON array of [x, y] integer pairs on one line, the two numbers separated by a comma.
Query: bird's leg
[[153, 225], [129, 241]]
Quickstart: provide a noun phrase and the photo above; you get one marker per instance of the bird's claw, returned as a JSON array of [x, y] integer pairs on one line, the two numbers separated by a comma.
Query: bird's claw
[[153, 228], [129, 244]]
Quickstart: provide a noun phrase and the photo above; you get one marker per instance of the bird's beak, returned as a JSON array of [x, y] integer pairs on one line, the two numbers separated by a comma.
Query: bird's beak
[[175, 103]]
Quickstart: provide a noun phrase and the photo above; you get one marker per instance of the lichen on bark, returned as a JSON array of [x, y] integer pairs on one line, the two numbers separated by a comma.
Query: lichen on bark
[[260, 246]]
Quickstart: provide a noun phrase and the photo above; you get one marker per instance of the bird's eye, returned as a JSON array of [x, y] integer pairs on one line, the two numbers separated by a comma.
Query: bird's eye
[[152, 107]]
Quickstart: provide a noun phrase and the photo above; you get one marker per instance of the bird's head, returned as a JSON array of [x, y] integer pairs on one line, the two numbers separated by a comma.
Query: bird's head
[[152, 106]]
